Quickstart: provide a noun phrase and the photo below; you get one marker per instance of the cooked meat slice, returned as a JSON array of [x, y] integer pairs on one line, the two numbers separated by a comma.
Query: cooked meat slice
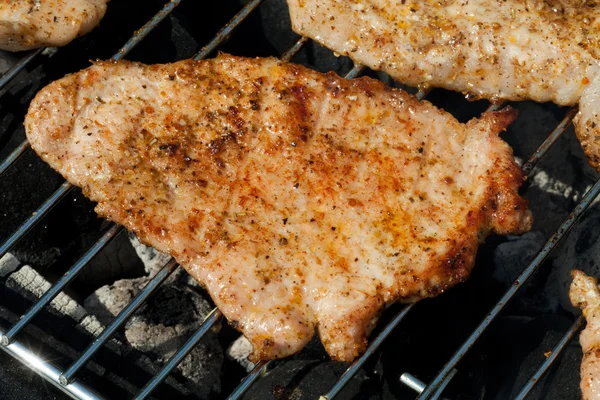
[[300, 200], [585, 294], [512, 49], [29, 24]]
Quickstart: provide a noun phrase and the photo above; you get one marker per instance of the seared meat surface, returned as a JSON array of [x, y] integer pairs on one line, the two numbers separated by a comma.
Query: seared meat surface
[[585, 294], [302, 201], [29, 24], [542, 50]]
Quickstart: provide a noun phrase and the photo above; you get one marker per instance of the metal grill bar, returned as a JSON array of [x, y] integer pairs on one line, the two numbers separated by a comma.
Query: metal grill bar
[[354, 72], [292, 51], [14, 156], [443, 385], [510, 293], [65, 378], [123, 316], [138, 36], [35, 218], [58, 287], [356, 365], [210, 321], [527, 168], [19, 66], [215, 314], [261, 367], [48, 371], [141, 33], [549, 141], [422, 93], [224, 33], [259, 370], [19, 351], [495, 106], [418, 386], [566, 339], [66, 187]]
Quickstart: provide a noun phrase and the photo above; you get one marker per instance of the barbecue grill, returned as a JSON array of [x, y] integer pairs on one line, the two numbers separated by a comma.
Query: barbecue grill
[[71, 378]]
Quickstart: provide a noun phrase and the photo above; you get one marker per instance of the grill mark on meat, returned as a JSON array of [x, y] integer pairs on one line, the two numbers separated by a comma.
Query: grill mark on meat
[[217, 146], [301, 94], [498, 50], [287, 239]]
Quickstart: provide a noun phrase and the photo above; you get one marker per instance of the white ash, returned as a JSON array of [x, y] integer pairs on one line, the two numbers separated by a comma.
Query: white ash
[[202, 366], [542, 180], [92, 325], [153, 259], [26, 281], [32, 285], [8, 264], [50, 51], [239, 351], [157, 330], [106, 302], [164, 323]]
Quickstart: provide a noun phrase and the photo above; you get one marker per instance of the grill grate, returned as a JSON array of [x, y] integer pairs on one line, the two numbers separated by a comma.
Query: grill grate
[[551, 358], [65, 379], [510, 293]]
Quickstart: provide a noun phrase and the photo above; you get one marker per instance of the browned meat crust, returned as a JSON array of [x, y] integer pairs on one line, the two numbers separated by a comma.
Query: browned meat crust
[[301, 201]]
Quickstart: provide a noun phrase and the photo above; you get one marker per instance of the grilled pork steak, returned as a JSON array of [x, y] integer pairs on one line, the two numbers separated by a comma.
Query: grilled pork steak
[[585, 294], [300, 200], [511, 49], [28, 24]]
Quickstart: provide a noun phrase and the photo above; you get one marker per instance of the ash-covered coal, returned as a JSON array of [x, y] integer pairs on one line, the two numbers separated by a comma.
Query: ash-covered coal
[[165, 321], [239, 351]]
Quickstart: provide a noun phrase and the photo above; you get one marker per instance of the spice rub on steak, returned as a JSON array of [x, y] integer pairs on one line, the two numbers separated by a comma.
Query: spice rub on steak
[[302, 201], [542, 50], [29, 24]]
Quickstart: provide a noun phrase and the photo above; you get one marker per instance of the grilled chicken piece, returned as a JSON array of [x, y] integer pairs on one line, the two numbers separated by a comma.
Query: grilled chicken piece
[[585, 294], [29, 24], [300, 200], [511, 49]]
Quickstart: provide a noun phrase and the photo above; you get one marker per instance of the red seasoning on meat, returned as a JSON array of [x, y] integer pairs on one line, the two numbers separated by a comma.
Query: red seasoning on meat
[[302, 201], [542, 50], [29, 24]]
